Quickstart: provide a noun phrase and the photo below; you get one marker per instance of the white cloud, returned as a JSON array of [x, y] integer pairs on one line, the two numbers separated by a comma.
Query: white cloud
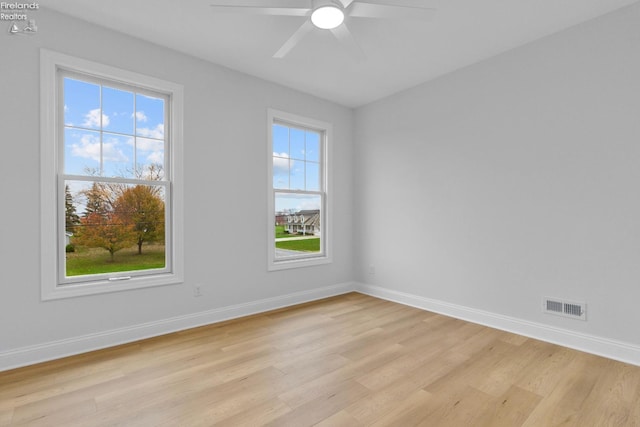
[[154, 146], [145, 144], [281, 163], [157, 132], [92, 119], [141, 116], [111, 152], [156, 157], [89, 148]]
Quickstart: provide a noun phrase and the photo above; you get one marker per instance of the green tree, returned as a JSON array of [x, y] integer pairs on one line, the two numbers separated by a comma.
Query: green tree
[[71, 218], [143, 208], [107, 230]]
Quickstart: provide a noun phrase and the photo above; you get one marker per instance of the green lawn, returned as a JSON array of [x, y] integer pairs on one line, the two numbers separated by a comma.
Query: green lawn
[[98, 260], [305, 245], [281, 233]]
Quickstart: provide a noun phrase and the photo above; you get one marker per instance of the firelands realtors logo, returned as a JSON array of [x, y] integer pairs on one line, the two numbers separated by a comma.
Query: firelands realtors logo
[[18, 15]]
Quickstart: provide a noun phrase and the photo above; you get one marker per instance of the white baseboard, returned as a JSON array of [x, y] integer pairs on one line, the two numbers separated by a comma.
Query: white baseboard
[[25, 356], [612, 349]]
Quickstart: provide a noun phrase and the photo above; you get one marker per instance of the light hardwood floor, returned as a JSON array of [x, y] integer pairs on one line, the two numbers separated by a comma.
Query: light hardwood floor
[[351, 360]]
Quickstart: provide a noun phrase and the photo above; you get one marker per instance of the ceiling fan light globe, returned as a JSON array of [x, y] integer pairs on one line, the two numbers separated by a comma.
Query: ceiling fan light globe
[[327, 17]]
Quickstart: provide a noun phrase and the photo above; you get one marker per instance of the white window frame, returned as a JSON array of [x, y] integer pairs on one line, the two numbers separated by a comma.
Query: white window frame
[[326, 131], [53, 66]]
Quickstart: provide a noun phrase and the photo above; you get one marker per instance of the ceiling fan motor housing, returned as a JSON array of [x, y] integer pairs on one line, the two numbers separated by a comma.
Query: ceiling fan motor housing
[[315, 4], [327, 14]]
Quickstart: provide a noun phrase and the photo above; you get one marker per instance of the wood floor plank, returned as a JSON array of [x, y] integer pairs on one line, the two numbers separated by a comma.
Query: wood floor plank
[[339, 419], [257, 415], [48, 376], [408, 412], [406, 331], [53, 412], [473, 370], [350, 360], [325, 347], [385, 400], [545, 374], [5, 417], [566, 401], [633, 418], [311, 367], [392, 392], [372, 407], [327, 402], [330, 382], [513, 408], [467, 406], [379, 317], [497, 378], [477, 342], [396, 369], [612, 398], [193, 403], [61, 393]]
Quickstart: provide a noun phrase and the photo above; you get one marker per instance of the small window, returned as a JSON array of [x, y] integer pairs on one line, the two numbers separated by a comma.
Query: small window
[[298, 196], [112, 149]]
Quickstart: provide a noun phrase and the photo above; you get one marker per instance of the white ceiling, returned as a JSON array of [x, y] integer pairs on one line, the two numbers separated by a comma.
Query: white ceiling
[[399, 54]]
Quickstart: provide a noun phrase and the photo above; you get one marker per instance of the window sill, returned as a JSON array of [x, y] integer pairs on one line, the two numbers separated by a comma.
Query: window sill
[[298, 263], [106, 286]]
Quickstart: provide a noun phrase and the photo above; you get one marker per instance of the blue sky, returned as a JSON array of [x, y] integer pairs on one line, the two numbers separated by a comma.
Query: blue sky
[[111, 126], [296, 166]]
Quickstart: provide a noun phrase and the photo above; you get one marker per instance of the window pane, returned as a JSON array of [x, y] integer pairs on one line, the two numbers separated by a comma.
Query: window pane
[[313, 176], [113, 227], [297, 228], [117, 106], [149, 117], [280, 141], [117, 155], [81, 104], [81, 152], [297, 143], [281, 172], [297, 175], [312, 146], [150, 158]]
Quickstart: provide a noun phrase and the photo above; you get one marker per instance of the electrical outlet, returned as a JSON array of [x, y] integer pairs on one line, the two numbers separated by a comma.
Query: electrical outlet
[[197, 291], [372, 269]]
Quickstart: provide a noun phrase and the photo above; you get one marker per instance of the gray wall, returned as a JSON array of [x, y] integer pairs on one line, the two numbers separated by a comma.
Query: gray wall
[[512, 179], [225, 147]]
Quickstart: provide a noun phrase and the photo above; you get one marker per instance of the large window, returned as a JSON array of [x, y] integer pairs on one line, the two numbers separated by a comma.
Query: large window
[[111, 173], [298, 191]]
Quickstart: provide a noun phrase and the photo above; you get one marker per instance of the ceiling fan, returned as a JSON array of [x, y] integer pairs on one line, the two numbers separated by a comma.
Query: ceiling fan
[[330, 15]]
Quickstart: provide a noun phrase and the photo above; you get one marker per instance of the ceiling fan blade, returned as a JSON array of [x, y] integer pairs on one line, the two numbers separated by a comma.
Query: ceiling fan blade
[[277, 8], [294, 39], [361, 9], [343, 34]]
